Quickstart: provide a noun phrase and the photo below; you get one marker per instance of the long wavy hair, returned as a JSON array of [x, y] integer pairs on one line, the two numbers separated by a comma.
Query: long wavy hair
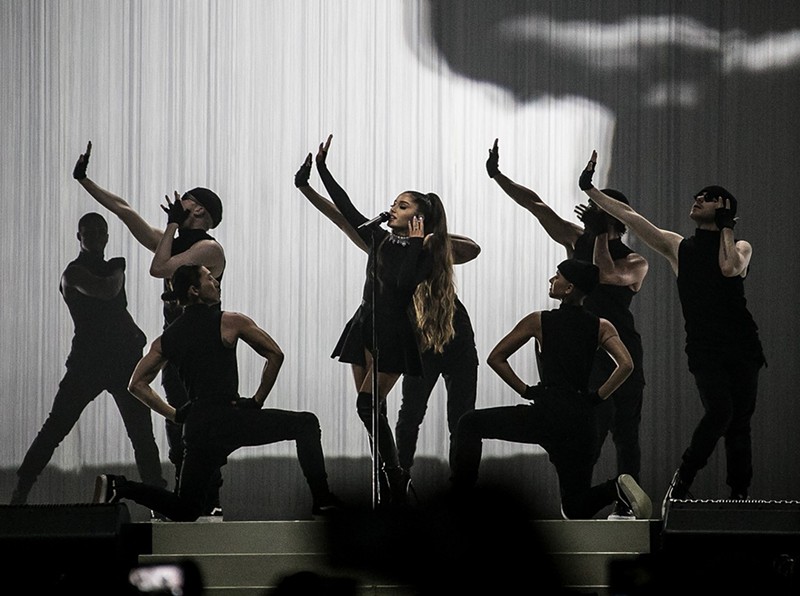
[[435, 298]]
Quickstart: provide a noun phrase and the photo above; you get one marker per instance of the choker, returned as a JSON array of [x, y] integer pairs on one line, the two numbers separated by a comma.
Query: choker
[[401, 240]]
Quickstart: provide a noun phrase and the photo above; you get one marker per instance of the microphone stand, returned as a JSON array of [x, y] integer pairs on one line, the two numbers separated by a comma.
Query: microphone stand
[[376, 467]]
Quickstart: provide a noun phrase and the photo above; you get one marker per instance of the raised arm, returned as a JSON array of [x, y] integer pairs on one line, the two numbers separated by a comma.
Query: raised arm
[[208, 253], [143, 376], [79, 279], [529, 327], [629, 271], [464, 249], [144, 233], [662, 241], [325, 206], [734, 257], [608, 340], [340, 198], [562, 231], [238, 326]]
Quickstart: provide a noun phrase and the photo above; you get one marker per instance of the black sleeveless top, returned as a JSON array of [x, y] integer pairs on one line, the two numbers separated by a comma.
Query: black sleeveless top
[[103, 328], [613, 303], [569, 345], [182, 242], [716, 318], [193, 343]]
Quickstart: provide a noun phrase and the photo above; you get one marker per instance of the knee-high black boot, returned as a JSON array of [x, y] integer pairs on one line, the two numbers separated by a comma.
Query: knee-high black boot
[[396, 477]]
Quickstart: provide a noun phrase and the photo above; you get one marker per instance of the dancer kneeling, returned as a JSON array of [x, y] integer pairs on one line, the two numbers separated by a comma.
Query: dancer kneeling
[[559, 417], [216, 421]]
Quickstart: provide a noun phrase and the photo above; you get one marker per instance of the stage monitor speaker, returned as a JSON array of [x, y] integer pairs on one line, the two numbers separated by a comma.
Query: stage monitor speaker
[[54, 549], [732, 525]]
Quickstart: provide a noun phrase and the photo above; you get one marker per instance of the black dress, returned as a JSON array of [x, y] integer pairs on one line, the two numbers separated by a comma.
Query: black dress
[[401, 265]]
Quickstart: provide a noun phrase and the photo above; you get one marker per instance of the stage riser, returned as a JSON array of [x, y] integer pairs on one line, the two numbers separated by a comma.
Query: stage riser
[[242, 556]]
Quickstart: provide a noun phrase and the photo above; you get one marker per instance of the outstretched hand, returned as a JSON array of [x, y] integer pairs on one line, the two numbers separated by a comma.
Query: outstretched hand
[[79, 172], [493, 161], [322, 153], [594, 221], [175, 212], [304, 173], [585, 180]]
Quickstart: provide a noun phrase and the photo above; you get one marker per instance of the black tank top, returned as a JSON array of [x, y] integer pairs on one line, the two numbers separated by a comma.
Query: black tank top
[[613, 303], [715, 312], [102, 327], [193, 343], [569, 344], [182, 242]]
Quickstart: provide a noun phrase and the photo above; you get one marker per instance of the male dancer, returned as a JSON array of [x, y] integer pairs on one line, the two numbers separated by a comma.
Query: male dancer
[[622, 272], [722, 343], [202, 344], [106, 346], [559, 419], [457, 364], [192, 215]]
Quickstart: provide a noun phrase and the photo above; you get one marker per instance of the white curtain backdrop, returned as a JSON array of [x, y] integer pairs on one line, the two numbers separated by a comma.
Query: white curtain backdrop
[[233, 96]]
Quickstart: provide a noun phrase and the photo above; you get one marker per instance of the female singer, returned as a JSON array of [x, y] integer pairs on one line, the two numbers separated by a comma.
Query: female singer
[[411, 267]]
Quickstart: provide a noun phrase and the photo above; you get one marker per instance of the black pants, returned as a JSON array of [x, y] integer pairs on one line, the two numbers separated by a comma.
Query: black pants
[[83, 382], [213, 433], [176, 395], [566, 432], [459, 369], [621, 415], [728, 390]]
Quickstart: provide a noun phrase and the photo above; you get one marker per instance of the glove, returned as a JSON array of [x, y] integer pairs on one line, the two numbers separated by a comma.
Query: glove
[[593, 219], [493, 162], [175, 212], [533, 392], [303, 174], [592, 398], [724, 218], [182, 412], [79, 172], [117, 263], [246, 403], [585, 181]]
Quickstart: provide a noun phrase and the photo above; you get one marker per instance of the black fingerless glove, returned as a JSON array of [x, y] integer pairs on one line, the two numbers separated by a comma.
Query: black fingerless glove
[[585, 181], [182, 412], [79, 172], [302, 175], [533, 392], [592, 398], [246, 403], [175, 213], [594, 221], [493, 163], [117, 263], [724, 218]]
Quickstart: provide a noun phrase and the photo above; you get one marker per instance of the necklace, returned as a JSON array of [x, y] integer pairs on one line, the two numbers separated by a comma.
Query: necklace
[[401, 240]]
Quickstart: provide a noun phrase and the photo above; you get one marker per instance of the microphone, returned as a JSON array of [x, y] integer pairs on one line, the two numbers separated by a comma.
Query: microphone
[[380, 218]]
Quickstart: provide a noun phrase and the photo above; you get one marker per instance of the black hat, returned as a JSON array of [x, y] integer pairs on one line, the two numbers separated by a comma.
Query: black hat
[[209, 200], [581, 274]]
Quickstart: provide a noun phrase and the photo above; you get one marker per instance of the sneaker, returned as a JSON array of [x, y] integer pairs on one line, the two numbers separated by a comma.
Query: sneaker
[[621, 511], [678, 489], [215, 515], [634, 497], [106, 489]]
